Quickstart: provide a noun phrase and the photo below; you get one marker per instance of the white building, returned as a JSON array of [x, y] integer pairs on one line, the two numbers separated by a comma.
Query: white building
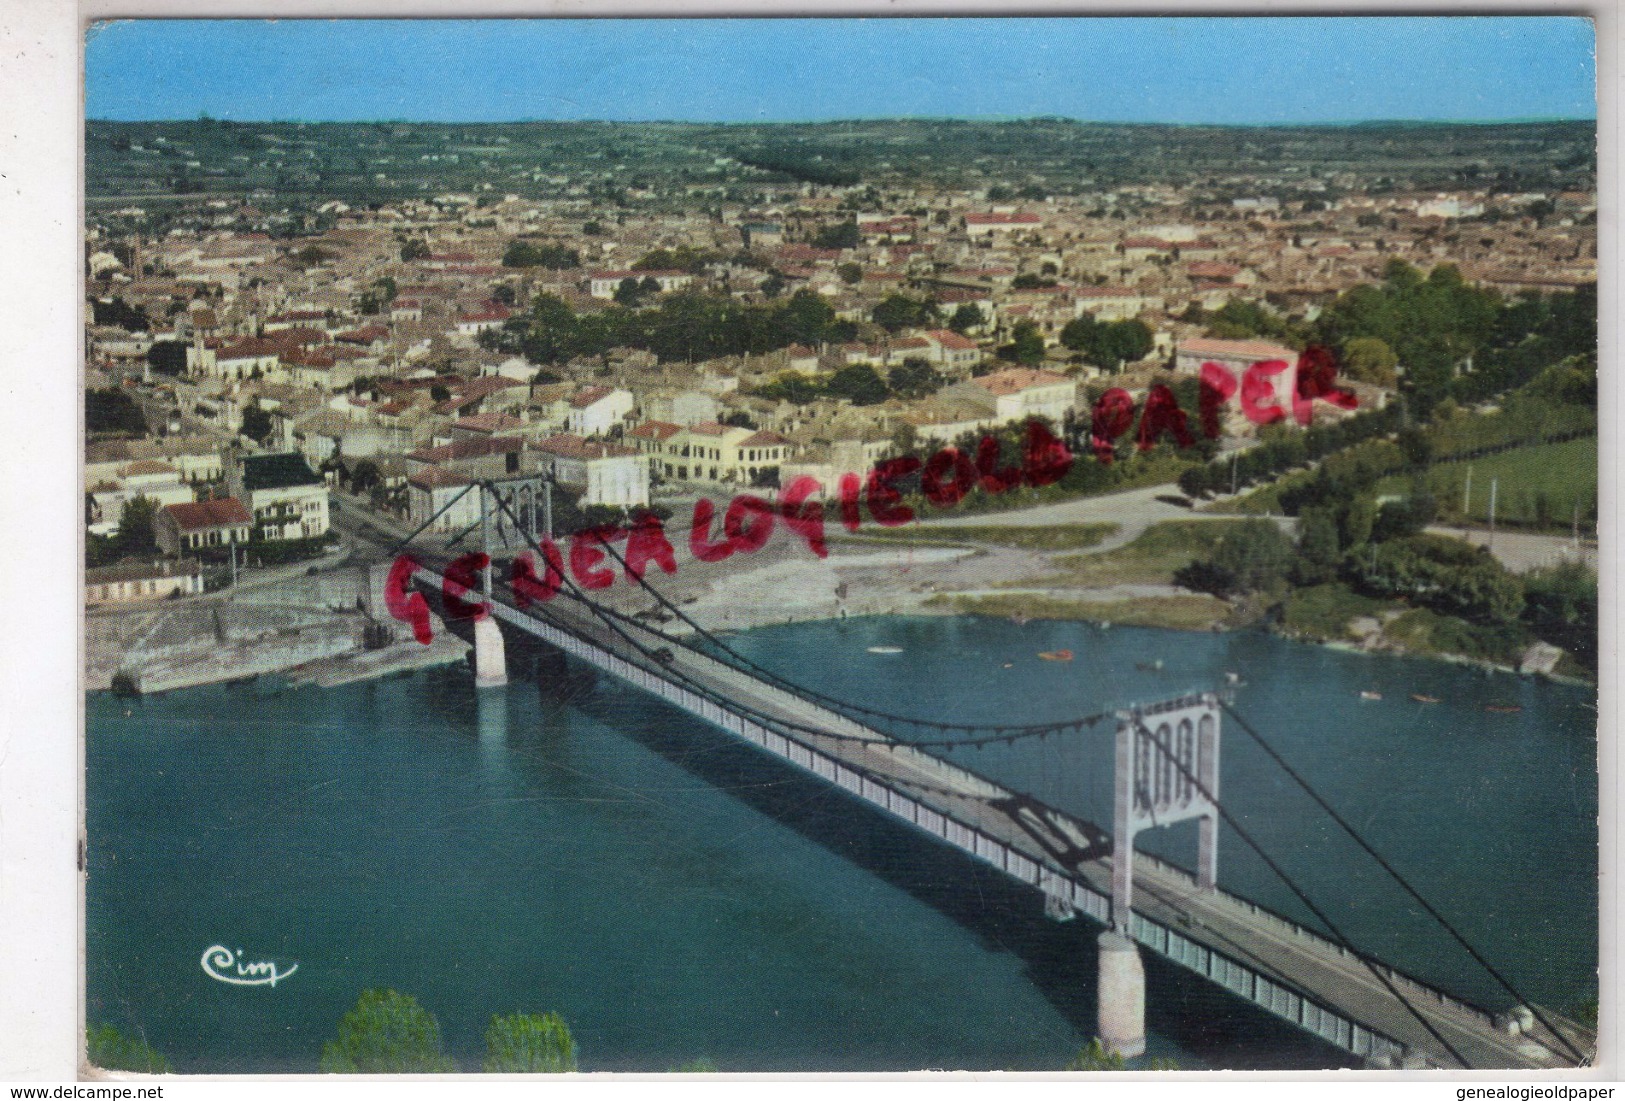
[[1020, 393], [606, 473], [287, 498], [597, 409]]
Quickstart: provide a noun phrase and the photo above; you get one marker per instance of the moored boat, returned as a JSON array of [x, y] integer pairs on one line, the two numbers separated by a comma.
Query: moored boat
[[1056, 655]]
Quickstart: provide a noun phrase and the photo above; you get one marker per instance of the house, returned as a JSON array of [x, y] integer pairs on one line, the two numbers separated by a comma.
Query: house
[[1020, 393], [597, 409], [287, 498], [202, 524], [986, 225], [127, 582], [474, 457], [159, 482], [604, 284], [435, 489], [712, 452], [1238, 356], [653, 440], [605, 473], [956, 353], [236, 362]]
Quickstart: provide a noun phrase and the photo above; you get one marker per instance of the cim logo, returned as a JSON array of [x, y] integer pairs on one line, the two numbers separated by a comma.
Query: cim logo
[[223, 965]]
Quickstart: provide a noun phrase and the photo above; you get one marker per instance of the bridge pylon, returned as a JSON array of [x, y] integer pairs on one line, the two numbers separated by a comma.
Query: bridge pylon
[[1166, 771]]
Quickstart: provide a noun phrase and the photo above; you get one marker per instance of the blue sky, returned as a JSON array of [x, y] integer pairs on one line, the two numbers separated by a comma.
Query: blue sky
[[1189, 70]]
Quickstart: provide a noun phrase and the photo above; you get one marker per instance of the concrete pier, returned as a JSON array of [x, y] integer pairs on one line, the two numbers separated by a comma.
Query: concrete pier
[[490, 656], [1120, 1019]]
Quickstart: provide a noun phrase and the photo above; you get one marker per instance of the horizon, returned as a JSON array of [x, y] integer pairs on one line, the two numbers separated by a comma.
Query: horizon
[[981, 120], [1249, 71]]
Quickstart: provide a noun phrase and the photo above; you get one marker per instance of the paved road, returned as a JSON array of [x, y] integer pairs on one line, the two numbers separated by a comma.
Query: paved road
[[1521, 552], [1132, 510]]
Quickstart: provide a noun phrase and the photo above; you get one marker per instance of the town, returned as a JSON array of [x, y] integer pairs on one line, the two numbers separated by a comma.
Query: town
[[270, 374]]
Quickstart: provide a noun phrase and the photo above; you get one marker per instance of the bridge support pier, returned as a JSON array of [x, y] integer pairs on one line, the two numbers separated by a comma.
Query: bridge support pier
[[490, 656], [1120, 1015]]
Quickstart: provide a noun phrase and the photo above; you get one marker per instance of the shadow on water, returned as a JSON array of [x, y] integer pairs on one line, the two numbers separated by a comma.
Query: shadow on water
[[1004, 916]]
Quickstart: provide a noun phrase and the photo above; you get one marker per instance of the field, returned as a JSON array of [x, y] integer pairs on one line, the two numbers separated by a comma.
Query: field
[[1058, 538], [1151, 559], [1538, 486]]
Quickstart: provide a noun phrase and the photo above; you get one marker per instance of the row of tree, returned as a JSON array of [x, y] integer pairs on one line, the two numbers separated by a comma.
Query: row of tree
[[685, 325], [1452, 338], [858, 383]]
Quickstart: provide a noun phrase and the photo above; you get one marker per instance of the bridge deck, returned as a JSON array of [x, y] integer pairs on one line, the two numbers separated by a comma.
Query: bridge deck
[[1290, 971]]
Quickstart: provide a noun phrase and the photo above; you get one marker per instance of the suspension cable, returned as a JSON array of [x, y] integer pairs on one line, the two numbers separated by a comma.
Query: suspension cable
[[1337, 934], [1397, 877], [843, 707]]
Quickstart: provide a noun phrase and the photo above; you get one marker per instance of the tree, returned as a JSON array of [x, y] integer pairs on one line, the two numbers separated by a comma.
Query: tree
[[535, 1043], [365, 476], [256, 423], [840, 235], [850, 272], [899, 311], [167, 357], [628, 293], [1369, 359], [1256, 552], [859, 383], [914, 378], [1026, 344], [773, 285], [113, 411], [967, 317], [414, 250], [136, 535], [108, 1048], [386, 1033], [1318, 549], [1096, 1057]]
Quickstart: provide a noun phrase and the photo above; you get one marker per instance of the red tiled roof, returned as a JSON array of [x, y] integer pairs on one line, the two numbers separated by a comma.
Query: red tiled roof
[[1239, 349], [225, 512], [249, 349], [436, 477], [947, 338], [467, 449], [568, 446], [656, 430], [591, 396], [1016, 379], [488, 422], [1002, 219], [764, 439]]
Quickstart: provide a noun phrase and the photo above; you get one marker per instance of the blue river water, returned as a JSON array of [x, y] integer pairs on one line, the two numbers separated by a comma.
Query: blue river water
[[576, 846]]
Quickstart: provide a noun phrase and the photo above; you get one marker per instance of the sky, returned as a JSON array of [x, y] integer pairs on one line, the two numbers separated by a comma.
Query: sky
[[1177, 70]]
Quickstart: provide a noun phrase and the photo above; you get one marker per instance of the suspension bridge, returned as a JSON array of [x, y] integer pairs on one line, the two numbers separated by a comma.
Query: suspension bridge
[[1166, 770]]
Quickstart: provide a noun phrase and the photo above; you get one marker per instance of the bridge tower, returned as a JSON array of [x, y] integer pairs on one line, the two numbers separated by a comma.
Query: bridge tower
[[1167, 771], [508, 513], [490, 653]]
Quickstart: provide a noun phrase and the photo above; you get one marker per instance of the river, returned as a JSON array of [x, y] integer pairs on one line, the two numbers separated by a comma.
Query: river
[[578, 847]]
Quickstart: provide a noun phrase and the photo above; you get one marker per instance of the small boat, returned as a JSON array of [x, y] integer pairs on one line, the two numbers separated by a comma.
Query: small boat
[[1368, 694], [1232, 678], [1149, 666], [1019, 620], [1504, 708], [885, 649], [1420, 698], [1056, 655]]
